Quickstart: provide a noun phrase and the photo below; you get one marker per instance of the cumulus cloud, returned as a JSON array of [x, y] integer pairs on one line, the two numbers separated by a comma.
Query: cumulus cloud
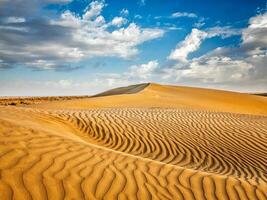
[[118, 21], [143, 71], [45, 43], [242, 67], [254, 38], [216, 70], [94, 9], [191, 43]]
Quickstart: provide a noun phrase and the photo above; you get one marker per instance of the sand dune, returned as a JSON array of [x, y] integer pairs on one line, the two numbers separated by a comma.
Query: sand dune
[[189, 144], [155, 95]]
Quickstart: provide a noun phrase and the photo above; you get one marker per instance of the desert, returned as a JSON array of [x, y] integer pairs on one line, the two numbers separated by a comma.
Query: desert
[[145, 141], [133, 100]]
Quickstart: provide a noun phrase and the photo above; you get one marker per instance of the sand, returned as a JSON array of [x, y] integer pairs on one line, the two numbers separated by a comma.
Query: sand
[[160, 142], [155, 95]]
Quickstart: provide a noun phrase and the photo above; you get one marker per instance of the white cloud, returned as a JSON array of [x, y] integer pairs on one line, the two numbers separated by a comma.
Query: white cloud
[[183, 14], [241, 68], [180, 15], [71, 38], [254, 38], [191, 43], [136, 35], [258, 21], [94, 9], [56, 87], [224, 32], [15, 28], [118, 21], [42, 64], [67, 19], [216, 70], [15, 20], [143, 71], [112, 80], [199, 24], [124, 12], [65, 83]]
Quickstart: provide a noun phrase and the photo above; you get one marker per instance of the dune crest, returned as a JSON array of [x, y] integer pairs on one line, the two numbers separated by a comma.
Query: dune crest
[[132, 89]]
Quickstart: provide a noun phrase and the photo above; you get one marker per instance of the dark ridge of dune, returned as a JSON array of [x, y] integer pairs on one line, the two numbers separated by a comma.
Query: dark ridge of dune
[[132, 89]]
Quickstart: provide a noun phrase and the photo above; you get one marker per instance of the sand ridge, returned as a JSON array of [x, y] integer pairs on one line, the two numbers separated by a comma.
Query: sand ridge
[[49, 151], [132, 89], [163, 96]]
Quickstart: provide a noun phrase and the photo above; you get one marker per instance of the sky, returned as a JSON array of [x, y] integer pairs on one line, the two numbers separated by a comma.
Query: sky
[[82, 47]]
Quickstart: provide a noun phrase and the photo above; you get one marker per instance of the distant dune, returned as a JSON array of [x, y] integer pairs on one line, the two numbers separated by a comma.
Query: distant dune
[[145, 141], [162, 96]]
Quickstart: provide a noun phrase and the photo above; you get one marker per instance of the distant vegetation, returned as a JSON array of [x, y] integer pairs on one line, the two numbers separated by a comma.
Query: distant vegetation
[[15, 101], [262, 94]]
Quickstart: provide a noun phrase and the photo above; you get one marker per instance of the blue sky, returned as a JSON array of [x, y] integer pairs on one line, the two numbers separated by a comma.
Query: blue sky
[[77, 47]]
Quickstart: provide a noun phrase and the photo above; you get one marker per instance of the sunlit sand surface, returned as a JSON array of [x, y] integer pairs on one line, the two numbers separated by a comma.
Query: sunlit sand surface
[[140, 142]]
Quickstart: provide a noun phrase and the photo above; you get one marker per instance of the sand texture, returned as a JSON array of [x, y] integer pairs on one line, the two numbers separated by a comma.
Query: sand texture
[[151, 142]]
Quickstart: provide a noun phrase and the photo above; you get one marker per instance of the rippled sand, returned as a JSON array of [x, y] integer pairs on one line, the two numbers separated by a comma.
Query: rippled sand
[[162, 142]]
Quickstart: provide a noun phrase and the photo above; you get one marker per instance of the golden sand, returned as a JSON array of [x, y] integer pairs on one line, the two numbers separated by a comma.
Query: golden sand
[[163, 142], [156, 95]]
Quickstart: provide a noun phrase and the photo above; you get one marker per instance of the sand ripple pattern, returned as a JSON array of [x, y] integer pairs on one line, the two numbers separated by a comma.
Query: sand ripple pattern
[[133, 154], [223, 143]]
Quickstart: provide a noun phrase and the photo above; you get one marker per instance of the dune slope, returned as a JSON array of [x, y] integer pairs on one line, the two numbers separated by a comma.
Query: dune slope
[[72, 150], [155, 95]]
